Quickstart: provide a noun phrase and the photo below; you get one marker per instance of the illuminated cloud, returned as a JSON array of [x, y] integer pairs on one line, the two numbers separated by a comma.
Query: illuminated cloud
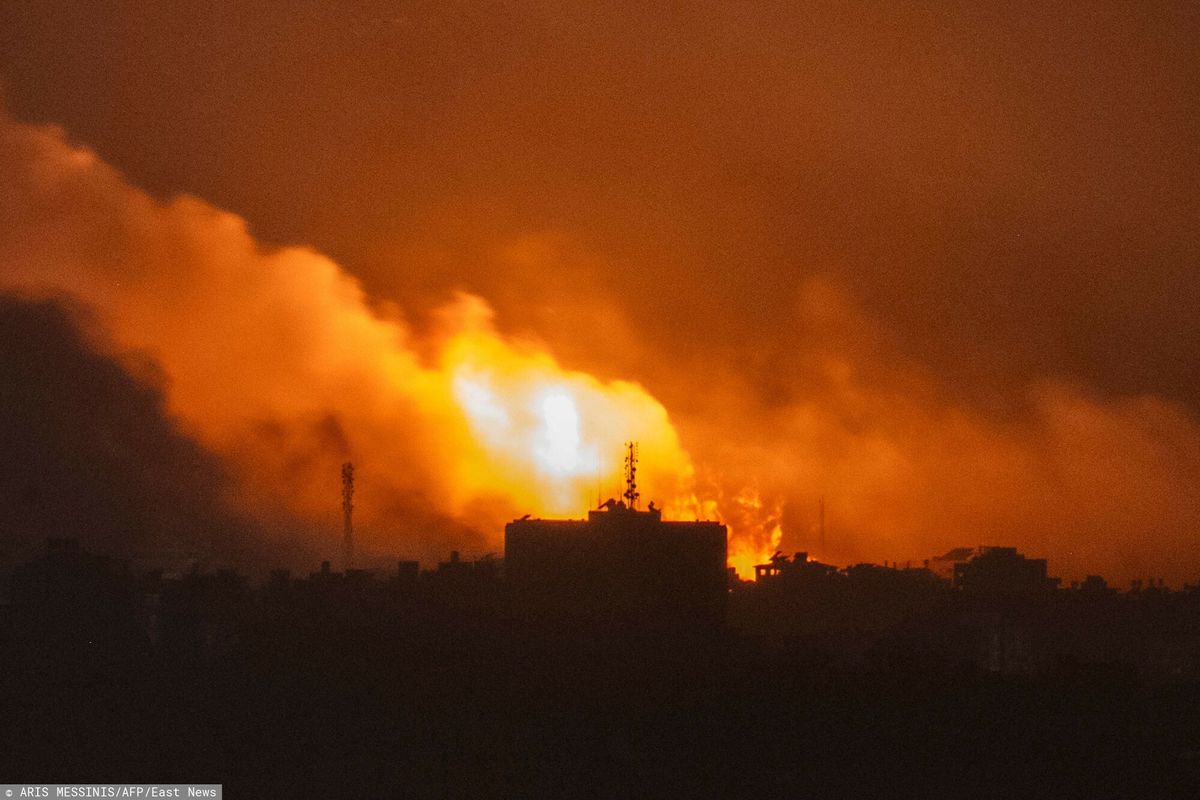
[[274, 359], [278, 360]]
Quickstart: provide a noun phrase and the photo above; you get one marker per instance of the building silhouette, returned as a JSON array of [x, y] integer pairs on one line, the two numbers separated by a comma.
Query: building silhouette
[[620, 563], [1002, 570]]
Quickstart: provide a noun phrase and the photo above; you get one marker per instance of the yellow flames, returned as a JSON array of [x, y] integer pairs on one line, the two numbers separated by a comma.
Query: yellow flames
[[278, 361], [548, 438], [551, 440], [758, 530]]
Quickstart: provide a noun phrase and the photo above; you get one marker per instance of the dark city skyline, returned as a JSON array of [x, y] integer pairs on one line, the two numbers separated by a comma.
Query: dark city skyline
[[761, 399]]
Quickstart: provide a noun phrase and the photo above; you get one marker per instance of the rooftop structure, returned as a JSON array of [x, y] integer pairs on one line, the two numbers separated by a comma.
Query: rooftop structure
[[1002, 570], [799, 566], [620, 563]]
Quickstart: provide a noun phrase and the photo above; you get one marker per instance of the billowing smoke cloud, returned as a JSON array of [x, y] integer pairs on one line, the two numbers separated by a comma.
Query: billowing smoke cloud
[[275, 360], [278, 361], [87, 451], [906, 469]]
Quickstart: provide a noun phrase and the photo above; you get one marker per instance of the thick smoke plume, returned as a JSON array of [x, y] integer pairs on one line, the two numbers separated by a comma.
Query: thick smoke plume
[[1096, 484], [86, 451], [277, 361]]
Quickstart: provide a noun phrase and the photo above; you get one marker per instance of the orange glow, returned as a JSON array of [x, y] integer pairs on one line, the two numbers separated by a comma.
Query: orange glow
[[293, 372], [550, 440], [279, 362], [759, 532], [546, 438]]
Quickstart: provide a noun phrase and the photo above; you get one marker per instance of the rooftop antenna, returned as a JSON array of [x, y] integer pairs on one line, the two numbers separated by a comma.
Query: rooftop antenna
[[347, 511], [631, 492], [822, 528]]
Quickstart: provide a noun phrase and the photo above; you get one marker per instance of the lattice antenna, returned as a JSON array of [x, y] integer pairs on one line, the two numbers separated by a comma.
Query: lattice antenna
[[822, 528], [347, 512], [631, 492]]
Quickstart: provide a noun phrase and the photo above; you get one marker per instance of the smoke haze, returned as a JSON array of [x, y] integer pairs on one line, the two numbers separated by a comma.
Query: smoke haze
[[934, 265], [274, 359]]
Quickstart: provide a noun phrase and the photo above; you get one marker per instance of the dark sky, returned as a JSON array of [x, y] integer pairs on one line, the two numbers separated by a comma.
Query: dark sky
[[961, 201]]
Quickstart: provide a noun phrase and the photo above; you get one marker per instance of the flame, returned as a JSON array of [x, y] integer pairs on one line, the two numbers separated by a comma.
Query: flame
[[756, 530], [547, 437], [278, 361]]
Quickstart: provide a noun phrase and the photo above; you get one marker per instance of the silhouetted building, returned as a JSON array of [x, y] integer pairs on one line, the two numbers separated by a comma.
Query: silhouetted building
[[65, 574], [797, 567], [455, 567], [200, 614], [1094, 585], [73, 609], [620, 563], [944, 565], [407, 572], [1002, 570]]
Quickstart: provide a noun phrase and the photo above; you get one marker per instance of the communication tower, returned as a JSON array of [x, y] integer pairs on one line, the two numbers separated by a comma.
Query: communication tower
[[347, 512], [823, 553], [631, 492]]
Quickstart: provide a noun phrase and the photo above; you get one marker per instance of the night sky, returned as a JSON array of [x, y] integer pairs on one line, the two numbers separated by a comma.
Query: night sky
[[936, 264]]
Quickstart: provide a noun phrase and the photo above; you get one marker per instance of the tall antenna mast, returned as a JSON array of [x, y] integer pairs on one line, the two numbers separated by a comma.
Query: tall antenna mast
[[823, 526], [347, 511], [631, 492]]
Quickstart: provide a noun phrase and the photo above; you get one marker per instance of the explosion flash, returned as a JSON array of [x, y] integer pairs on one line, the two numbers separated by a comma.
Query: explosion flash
[[276, 361]]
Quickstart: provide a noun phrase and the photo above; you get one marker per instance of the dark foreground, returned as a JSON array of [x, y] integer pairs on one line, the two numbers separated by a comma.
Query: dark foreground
[[468, 696]]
